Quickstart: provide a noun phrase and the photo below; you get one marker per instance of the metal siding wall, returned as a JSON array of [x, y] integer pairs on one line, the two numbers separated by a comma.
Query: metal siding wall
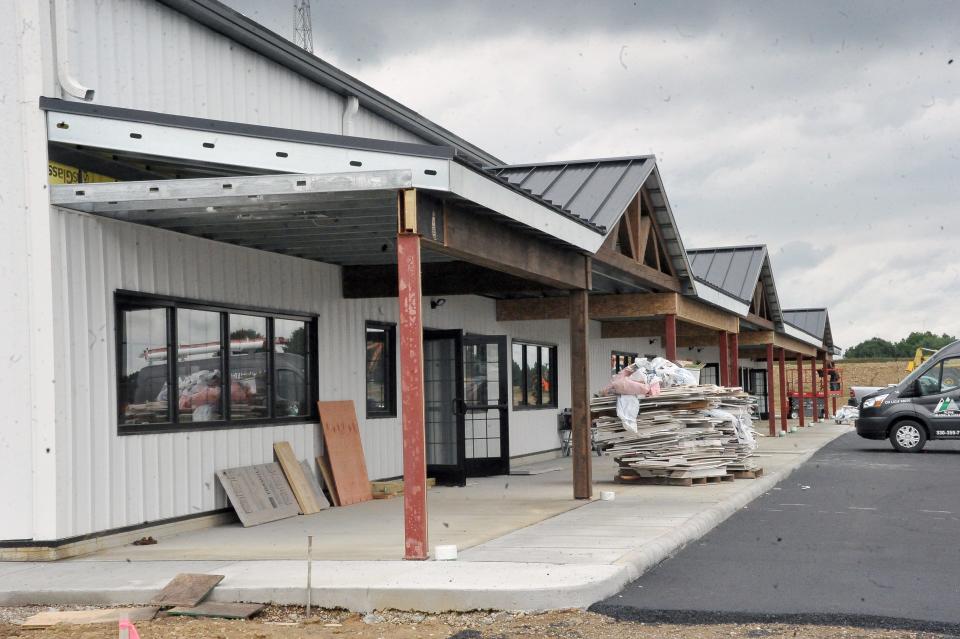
[[112, 481], [140, 54]]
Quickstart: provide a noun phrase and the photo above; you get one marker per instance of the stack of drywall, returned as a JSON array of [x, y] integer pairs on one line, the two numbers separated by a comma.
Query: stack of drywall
[[685, 432]]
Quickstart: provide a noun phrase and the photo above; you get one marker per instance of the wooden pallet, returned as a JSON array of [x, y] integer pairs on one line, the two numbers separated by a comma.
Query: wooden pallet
[[671, 481], [747, 474]]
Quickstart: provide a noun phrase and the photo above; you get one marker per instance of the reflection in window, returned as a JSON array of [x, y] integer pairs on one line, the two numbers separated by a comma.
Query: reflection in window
[[248, 367], [291, 346], [380, 370], [518, 374], [950, 378], [534, 375], [619, 360], [145, 375], [199, 366], [546, 377]]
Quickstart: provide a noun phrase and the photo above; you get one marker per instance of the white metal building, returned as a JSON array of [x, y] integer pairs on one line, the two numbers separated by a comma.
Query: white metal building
[[169, 96]]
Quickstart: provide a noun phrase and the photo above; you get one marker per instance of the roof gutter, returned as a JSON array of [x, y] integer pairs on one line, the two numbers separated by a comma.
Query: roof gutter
[[244, 31]]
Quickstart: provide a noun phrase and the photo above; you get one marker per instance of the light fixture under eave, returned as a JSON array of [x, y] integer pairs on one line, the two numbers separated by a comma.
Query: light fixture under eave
[[438, 302]]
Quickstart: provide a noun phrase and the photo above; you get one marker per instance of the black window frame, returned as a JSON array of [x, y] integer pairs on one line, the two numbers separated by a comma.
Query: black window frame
[[390, 372], [621, 359], [524, 402], [125, 300]]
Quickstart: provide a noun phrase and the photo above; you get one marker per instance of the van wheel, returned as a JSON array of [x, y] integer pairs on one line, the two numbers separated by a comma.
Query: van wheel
[[908, 437]]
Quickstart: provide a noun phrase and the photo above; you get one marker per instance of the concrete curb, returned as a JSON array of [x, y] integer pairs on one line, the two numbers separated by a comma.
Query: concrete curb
[[368, 585]]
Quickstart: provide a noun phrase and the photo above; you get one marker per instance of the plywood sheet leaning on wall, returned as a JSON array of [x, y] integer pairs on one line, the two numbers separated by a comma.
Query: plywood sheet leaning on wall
[[259, 493], [314, 484], [309, 501], [341, 436]]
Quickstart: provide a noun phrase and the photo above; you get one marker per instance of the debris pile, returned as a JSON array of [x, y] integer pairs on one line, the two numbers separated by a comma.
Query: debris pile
[[686, 431]]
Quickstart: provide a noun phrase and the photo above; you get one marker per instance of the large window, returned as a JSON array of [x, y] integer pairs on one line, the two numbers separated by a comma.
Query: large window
[[381, 370], [534, 375], [230, 366]]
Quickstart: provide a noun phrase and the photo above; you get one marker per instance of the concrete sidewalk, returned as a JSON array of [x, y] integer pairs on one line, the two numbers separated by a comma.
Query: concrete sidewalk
[[568, 555]]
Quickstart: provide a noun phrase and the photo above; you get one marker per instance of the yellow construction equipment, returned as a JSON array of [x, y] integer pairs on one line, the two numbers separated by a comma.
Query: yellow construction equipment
[[922, 355]]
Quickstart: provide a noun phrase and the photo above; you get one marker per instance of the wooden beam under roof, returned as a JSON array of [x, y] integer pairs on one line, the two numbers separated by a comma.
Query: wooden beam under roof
[[624, 307], [439, 278], [480, 240], [750, 339]]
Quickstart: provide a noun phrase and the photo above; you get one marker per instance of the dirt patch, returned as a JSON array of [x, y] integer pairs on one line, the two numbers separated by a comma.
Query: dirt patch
[[289, 622]]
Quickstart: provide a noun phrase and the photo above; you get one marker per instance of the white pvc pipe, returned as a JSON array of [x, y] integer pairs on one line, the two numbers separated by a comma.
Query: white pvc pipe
[[350, 109], [70, 84]]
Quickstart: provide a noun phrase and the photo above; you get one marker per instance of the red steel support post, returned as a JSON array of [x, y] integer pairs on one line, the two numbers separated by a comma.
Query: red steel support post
[[734, 359], [724, 360], [670, 337], [784, 410], [580, 394], [411, 382], [813, 390], [800, 387], [826, 386], [771, 396]]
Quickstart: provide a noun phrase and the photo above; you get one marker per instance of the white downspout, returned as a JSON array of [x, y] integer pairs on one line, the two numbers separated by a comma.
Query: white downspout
[[68, 82], [350, 109]]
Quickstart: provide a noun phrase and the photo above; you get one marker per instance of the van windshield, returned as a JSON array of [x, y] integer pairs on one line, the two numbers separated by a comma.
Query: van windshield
[[921, 370]]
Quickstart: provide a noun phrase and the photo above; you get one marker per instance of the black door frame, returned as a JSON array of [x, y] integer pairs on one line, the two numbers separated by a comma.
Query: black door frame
[[486, 466], [451, 474]]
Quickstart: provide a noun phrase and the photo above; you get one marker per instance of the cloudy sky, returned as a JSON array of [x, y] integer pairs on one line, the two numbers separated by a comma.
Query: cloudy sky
[[829, 131]]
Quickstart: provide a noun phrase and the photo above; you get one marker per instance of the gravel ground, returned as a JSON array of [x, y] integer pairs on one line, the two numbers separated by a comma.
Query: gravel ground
[[289, 622]]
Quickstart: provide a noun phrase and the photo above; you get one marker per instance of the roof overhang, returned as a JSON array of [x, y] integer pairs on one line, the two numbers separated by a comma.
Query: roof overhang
[[291, 152]]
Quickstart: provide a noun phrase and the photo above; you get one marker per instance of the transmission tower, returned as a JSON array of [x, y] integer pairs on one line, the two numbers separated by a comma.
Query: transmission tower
[[302, 25]]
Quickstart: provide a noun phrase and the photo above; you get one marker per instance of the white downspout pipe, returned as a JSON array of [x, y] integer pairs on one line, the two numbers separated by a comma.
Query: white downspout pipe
[[68, 82], [350, 109]]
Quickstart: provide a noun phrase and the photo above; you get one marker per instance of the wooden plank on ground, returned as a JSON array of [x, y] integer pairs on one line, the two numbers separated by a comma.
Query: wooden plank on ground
[[186, 589], [104, 615], [324, 465], [259, 493], [217, 609], [298, 481], [341, 436], [314, 484]]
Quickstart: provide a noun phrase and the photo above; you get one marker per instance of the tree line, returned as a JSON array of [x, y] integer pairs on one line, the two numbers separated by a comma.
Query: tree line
[[877, 347]]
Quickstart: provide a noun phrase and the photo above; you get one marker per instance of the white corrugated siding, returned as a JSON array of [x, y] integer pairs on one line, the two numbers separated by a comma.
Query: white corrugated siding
[[140, 54], [108, 481]]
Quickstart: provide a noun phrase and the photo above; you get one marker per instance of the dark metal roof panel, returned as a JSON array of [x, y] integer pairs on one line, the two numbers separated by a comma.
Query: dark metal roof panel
[[597, 191], [810, 320], [733, 270]]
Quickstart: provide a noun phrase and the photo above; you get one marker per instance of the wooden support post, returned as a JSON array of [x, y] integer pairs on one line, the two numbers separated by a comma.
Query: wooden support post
[[580, 394], [813, 390], [783, 391], [724, 359], [734, 359], [670, 337], [800, 387], [825, 382], [411, 382], [771, 396]]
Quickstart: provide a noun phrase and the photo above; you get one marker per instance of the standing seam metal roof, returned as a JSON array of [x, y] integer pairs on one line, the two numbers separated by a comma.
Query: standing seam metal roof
[[735, 271], [598, 192], [809, 320]]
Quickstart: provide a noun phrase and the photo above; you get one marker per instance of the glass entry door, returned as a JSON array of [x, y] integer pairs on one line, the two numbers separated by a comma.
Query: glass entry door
[[443, 397], [466, 405], [485, 405]]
